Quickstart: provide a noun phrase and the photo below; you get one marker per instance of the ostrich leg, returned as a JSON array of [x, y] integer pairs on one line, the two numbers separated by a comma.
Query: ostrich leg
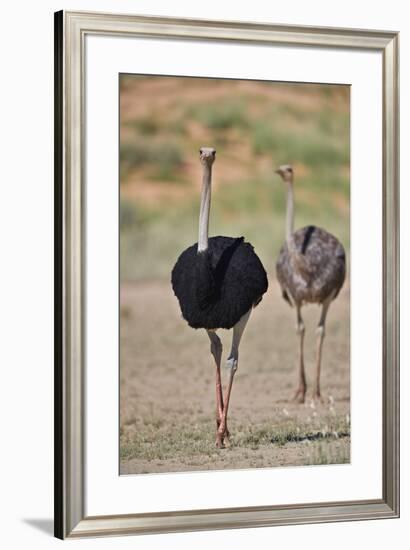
[[216, 350], [299, 396], [232, 365], [320, 331]]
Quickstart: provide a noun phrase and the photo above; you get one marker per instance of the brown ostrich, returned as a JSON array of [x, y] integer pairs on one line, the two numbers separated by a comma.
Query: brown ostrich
[[311, 268]]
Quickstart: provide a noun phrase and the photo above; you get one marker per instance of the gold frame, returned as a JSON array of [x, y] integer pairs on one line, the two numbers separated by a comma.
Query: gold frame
[[70, 31]]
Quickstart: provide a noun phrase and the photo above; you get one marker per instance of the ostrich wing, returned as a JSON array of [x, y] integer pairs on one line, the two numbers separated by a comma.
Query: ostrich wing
[[316, 270]]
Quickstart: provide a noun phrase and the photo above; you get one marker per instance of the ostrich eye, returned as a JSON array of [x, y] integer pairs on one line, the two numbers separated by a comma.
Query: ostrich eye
[[200, 151], [214, 153]]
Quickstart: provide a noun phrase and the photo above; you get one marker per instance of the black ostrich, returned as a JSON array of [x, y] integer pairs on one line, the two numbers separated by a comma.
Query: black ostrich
[[311, 268], [217, 282]]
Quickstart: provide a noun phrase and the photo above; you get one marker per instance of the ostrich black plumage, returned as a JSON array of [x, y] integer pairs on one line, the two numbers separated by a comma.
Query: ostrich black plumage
[[311, 268], [217, 282]]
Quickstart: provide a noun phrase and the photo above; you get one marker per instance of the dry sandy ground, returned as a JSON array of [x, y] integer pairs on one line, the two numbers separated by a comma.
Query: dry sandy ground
[[167, 401]]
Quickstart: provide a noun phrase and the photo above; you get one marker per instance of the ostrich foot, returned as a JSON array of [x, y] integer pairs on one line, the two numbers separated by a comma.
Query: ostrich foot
[[222, 439], [318, 398], [227, 440], [299, 396], [226, 434]]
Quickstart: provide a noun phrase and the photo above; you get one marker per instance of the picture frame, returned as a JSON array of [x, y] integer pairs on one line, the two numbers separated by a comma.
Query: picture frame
[[71, 30]]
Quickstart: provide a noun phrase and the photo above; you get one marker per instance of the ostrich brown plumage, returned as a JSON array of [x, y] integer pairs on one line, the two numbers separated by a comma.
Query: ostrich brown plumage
[[217, 282], [311, 268]]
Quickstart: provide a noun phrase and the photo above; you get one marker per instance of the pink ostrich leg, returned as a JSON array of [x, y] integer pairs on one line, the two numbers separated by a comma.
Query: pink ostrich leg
[[232, 365], [216, 350]]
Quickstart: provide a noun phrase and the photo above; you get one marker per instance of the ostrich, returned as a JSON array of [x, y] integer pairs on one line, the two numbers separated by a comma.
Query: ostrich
[[310, 268], [217, 282]]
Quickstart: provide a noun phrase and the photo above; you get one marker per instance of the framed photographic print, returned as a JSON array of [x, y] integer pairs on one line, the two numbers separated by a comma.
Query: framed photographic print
[[226, 307]]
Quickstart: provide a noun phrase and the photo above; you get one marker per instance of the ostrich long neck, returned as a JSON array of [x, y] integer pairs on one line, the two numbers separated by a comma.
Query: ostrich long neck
[[290, 218], [205, 208]]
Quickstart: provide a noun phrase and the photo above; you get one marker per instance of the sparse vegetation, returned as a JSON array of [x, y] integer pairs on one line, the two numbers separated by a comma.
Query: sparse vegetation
[[220, 115], [326, 453], [253, 134], [162, 157], [167, 393], [167, 388], [316, 146], [156, 440]]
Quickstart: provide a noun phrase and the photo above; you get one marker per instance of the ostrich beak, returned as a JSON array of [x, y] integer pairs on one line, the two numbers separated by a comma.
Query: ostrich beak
[[279, 171]]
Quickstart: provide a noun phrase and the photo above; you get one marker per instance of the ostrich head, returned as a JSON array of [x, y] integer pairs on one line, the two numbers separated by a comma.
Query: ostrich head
[[286, 172], [207, 155]]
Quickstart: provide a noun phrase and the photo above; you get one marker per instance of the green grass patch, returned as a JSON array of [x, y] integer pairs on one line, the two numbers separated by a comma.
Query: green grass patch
[[253, 134], [156, 440], [292, 431], [312, 148], [328, 452], [220, 116], [133, 218], [163, 158], [152, 126], [151, 239], [147, 125]]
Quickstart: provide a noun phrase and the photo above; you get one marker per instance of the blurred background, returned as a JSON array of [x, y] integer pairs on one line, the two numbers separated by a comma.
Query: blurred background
[[255, 127], [166, 371]]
